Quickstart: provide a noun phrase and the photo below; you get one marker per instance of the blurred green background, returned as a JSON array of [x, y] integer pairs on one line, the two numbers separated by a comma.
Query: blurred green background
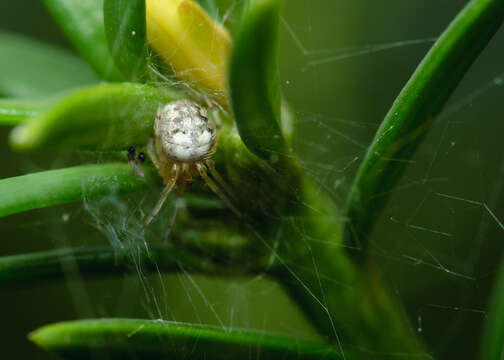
[[439, 254]]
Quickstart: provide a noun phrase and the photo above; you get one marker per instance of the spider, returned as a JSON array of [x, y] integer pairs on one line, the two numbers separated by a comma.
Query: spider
[[182, 148]]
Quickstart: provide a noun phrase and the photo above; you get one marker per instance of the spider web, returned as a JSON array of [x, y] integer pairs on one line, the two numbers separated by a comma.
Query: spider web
[[437, 242]]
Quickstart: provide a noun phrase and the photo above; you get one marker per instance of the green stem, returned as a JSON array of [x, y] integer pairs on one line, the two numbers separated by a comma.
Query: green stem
[[350, 305]]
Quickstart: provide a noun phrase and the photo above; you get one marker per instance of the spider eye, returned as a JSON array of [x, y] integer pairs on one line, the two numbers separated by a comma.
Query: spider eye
[[131, 151], [141, 157]]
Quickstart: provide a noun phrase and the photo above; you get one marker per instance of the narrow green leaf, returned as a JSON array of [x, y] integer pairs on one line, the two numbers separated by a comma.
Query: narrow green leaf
[[492, 344], [82, 23], [254, 80], [52, 187], [414, 111], [158, 339], [19, 269], [104, 260], [33, 69], [125, 30], [13, 110], [102, 117]]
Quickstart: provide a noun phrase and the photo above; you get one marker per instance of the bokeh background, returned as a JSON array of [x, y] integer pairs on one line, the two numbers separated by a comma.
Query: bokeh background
[[342, 64]]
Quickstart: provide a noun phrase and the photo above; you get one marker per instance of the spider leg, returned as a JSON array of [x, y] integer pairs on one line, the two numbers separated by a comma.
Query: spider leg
[[218, 179], [164, 195], [215, 188], [172, 219], [151, 151]]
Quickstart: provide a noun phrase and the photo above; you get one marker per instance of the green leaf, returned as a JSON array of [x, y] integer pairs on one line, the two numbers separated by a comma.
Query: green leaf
[[33, 69], [19, 269], [158, 339], [102, 117], [13, 110], [82, 23], [254, 80], [125, 30], [493, 335], [52, 187], [414, 110]]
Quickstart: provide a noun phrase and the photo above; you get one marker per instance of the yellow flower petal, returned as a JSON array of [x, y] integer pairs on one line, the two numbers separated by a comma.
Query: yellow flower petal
[[196, 46]]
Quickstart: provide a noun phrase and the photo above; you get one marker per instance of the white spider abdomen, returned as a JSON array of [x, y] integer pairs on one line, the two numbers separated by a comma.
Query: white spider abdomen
[[184, 131]]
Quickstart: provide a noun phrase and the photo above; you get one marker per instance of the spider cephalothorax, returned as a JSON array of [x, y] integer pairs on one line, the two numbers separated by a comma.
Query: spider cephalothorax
[[182, 147]]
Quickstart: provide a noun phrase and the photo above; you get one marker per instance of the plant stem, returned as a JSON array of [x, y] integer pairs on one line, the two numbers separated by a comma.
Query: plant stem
[[350, 305]]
